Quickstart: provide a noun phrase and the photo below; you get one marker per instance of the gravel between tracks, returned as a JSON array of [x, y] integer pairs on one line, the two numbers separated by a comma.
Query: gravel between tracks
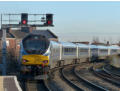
[[68, 72], [31, 86], [57, 84], [89, 76]]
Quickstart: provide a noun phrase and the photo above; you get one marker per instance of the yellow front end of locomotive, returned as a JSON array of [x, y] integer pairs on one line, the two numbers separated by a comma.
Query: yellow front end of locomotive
[[35, 60]]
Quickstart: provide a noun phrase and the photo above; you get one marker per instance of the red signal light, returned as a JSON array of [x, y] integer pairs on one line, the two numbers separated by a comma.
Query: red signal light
[[24, 22], [49, 22], [49, 19], [24, 18]]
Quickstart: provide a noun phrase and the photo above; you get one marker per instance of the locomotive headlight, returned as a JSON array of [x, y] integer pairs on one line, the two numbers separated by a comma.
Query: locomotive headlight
[[25, 60], [45, 61]]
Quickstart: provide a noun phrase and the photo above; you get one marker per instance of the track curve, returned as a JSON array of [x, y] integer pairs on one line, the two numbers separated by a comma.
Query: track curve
[[79, 83], [106, 76], [95, 86]]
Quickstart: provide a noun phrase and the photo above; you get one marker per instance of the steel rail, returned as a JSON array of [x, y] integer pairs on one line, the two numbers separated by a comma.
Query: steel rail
[[111, 73], [46, 85], [70, 82], [90, 83], [106, 76]]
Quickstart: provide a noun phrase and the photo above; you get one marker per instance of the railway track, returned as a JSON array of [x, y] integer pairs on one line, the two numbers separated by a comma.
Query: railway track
[[102, 74], [72, 80], [70, 75], [57, 82], [31, 85], [46, 85], [87, 75], [79, 83], [106, 75], [113, 72]]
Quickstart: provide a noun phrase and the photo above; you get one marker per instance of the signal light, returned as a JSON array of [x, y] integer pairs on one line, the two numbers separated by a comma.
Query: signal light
[[49, 19], [24, 18], [49, 22], [24, 22]]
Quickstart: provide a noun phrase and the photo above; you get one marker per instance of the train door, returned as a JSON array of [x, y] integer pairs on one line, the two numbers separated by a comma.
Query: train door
[[94, 53]]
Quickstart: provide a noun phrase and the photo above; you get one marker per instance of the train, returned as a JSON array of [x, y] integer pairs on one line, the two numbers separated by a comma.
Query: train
[[38, 54]]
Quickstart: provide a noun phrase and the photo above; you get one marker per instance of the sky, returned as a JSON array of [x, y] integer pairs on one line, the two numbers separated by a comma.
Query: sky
[[75, 21]]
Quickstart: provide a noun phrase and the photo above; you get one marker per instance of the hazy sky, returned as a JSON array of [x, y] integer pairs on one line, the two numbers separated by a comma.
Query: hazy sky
[[75, 21]]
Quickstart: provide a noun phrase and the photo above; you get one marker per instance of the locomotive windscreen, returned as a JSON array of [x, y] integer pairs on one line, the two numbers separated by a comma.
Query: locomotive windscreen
[[35, 44]]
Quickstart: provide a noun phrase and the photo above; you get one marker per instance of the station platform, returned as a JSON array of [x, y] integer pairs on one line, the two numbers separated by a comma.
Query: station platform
[[9, 83]]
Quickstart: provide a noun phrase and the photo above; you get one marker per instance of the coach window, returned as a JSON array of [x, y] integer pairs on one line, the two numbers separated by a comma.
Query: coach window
[[114, 51], [69, 50], [103, 50], [72, 50], [83, 49], [66, 49]]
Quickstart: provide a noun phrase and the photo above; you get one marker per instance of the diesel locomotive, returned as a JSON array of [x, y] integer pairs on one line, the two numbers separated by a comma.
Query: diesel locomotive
[[38, 54]]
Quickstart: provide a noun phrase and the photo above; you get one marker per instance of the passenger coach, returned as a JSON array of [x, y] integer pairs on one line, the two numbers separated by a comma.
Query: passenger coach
[[38, 54]]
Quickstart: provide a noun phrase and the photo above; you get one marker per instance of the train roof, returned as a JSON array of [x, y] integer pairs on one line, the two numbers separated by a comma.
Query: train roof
[[83, 45], [54, 43], [68, 44], [93, 46], [102, 47], [114, 47]]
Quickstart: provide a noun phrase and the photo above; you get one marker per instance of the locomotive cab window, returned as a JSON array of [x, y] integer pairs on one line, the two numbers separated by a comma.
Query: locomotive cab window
[[35, 44]]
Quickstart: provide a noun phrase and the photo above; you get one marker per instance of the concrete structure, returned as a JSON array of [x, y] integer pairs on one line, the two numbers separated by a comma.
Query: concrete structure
[[9, 83]]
